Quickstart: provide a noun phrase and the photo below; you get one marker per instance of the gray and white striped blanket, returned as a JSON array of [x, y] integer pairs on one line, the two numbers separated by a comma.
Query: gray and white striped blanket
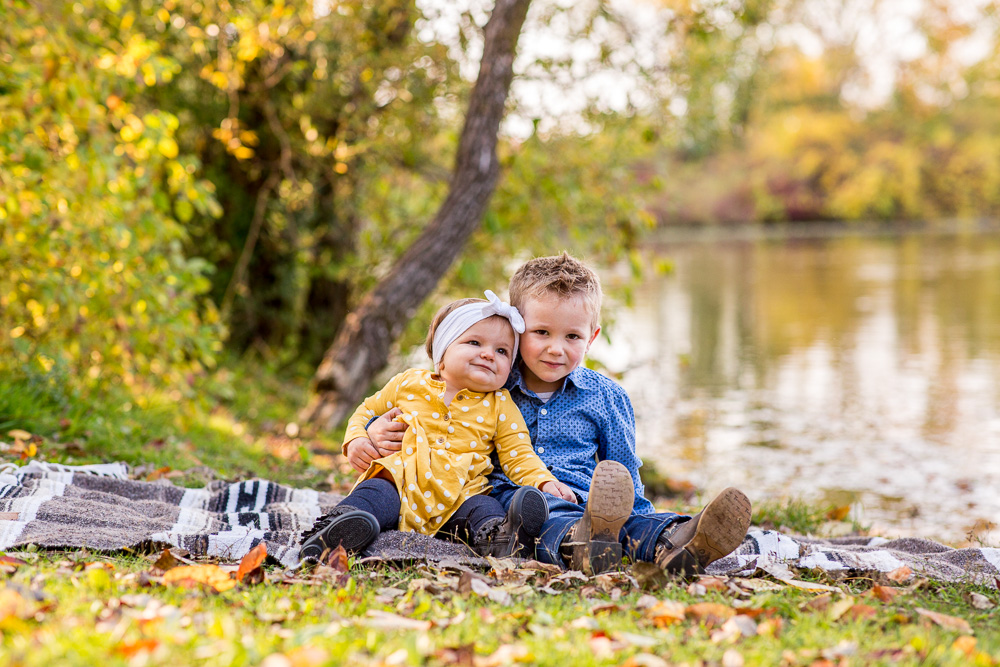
[[99, 507]]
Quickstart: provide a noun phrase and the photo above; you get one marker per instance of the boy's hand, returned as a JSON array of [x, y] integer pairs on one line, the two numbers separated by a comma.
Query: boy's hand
[[559, 490], [360, 454], [387, 435]]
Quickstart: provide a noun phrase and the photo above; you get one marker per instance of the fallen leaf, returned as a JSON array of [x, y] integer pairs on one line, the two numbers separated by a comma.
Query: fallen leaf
[[250, 565], [709, 613], [649, 576], [337, 560], [860, 612], [838, 513], [782, 573], [461, 656], [900, 575], [945, 621], [818, 603], [840, 607], [305, 656], [734, 629], [666, 612], [166, 561], [886, 593], [210, 575], [980, 601], [965, 644], [129, 649], [604, 609]]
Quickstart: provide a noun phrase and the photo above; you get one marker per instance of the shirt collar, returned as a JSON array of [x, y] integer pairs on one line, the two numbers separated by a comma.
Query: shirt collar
[[578, 378]]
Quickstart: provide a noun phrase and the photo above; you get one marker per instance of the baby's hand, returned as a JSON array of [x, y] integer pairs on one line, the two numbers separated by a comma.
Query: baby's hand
[[360, 454], [387, 435], [559, 490]]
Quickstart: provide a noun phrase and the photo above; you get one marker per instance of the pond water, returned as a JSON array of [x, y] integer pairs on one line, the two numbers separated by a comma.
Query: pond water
[[843, 367]]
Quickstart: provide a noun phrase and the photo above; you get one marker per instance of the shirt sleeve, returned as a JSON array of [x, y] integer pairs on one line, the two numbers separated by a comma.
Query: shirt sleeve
[[377, 404], [617, 443], [513, 447]]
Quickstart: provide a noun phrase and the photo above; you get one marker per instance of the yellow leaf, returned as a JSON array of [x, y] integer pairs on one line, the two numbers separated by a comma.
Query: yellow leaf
[[210, 575], [666, 613], [167, 147]]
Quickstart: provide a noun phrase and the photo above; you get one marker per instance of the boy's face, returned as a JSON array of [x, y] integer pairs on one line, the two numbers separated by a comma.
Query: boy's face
[[557, 335]]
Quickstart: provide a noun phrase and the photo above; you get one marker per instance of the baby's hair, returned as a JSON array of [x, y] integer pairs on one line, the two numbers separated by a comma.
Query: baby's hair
[[562, 276], [439, 317]]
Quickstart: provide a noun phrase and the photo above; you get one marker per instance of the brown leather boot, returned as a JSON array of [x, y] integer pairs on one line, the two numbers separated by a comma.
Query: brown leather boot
[[712, 533], [592, 545]]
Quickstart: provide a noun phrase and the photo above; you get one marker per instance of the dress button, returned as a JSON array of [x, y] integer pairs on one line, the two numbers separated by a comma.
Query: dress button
[[447, 416], [544, 411], [440, 440]]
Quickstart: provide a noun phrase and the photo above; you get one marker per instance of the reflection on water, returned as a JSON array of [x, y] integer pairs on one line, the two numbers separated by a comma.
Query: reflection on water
[[852, 369]]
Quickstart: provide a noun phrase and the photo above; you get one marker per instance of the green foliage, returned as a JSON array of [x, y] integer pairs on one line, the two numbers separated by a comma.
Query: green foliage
[[95, 281]]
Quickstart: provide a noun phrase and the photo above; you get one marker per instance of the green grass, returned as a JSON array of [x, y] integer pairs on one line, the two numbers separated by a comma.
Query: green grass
[[71, 609], [237, 427]]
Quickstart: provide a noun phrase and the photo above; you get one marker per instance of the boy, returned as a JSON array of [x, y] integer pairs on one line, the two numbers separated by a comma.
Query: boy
[[576, 416]]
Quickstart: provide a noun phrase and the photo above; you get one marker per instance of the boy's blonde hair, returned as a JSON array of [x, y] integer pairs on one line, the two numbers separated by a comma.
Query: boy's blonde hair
[[562, 276]]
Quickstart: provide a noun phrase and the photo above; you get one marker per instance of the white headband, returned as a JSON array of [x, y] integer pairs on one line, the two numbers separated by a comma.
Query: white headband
[[463, 317]]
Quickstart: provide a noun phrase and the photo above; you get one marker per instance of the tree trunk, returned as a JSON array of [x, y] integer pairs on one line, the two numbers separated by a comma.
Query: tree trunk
[[362, 347]]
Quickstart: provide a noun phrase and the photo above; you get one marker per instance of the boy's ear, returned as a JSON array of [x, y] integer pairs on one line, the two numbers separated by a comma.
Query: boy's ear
[[593, 337]]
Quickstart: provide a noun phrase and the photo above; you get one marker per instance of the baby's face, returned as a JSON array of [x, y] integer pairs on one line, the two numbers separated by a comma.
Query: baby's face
[[481, 357]]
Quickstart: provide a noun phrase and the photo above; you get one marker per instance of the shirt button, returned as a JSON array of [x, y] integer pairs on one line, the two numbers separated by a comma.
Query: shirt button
[[541, 450], [544, 411]]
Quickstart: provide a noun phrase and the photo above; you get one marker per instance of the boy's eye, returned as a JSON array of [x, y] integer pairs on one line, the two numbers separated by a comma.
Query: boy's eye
[[574, 336]]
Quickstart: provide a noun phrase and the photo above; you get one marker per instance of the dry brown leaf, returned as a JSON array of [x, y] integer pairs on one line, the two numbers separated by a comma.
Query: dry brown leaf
[[166, 561], [710, 613], [945, 621], [886, 593], [337, 560], [860, 612], [609, 608], [666, 612], [900, 575], [840, 607], [838, 513], [818, 603], [250, 563], [460, 656], [210, 575]]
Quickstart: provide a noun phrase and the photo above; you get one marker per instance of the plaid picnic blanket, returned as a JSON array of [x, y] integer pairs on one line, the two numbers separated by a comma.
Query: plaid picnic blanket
[[100, 507]]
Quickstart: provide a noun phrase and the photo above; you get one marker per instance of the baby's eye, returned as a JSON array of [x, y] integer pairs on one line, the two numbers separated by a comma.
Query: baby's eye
[[502, 350], [472, 342]]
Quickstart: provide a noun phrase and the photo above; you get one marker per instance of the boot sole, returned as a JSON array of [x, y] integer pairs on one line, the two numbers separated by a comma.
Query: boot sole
[[610, 501], [352, 530], [609, 505], [711, 534]]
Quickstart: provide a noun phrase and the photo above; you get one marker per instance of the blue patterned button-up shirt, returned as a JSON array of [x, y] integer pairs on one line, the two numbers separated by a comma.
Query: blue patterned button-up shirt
[[589, 419]]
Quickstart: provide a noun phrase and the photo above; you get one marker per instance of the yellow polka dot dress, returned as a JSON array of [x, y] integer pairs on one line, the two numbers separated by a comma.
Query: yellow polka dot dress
[[445, 454]]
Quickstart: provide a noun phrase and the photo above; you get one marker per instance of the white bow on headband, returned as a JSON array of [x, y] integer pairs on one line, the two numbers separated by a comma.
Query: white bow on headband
[[463, 317]]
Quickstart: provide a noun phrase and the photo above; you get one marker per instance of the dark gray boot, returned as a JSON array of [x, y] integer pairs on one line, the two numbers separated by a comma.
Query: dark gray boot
[[514, 535]]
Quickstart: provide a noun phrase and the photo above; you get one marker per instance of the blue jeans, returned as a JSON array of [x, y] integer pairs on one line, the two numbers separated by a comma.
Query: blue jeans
[[638, 535]]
